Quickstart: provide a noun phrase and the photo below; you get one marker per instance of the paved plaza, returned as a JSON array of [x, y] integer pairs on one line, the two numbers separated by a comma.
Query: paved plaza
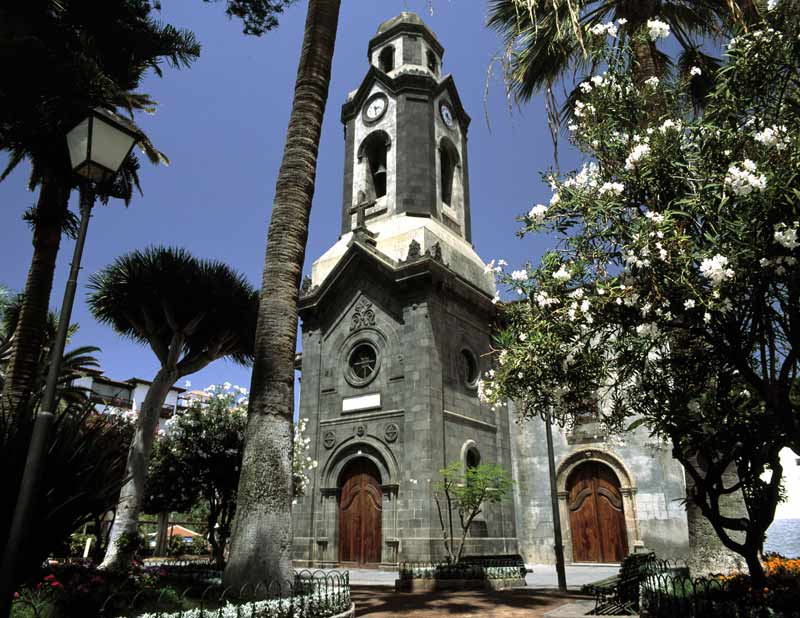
[[384, 602]]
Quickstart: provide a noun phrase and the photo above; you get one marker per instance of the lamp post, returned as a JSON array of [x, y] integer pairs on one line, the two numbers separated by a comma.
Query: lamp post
[[98, 145]]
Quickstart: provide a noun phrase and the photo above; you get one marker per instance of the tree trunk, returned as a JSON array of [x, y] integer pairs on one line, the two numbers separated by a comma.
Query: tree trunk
[[23, 363], [130, 497], [261, 543], [162, 534]]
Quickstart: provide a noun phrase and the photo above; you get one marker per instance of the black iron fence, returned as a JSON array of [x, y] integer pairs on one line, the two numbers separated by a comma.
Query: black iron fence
[[310, 594], [486, 568]]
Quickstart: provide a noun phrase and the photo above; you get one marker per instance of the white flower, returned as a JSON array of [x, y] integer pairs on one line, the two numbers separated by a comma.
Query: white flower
[[771, 4], [689, 304], [585, 306], [648, 329], [543, 299], [614, 188], [715, 269], [774, 137], [600, 29], [519, 275], [538, 213], [622, 21], [654, 217], [706, 317], [657, 29], [670, 124], [585, 87], [693, 405], [695, 71], [496, 299], [562, 274], [743, 180], [639, 152], [523, 336], [555, 199], [651, 81], [786, 236], [586, 178], [597, 80]]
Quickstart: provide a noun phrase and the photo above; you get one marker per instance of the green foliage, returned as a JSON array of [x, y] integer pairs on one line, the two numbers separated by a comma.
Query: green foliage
[[670, 295], [464, 491], [177, 304], [258, 16], [84, 469], [195, 464], [67, 57], [74, 363]]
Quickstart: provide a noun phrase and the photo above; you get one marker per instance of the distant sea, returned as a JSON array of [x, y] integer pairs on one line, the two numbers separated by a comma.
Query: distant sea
[[783, 537]]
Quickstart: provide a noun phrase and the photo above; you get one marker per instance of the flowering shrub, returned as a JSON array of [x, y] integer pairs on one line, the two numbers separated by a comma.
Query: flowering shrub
[[198, 455], [671, 294]]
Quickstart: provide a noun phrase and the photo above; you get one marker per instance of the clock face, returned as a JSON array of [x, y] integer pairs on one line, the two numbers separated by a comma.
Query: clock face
[[447, 115], [375, 107]]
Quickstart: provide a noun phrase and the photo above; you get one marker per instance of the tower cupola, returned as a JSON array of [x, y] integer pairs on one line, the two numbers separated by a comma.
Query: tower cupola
[[404, 44]]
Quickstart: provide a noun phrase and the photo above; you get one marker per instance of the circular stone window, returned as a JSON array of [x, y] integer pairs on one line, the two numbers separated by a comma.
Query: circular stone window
[[469, 368], [362, 364]]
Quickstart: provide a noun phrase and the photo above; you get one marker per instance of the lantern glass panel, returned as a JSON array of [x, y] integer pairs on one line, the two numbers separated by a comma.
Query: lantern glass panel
[[110, 146], [78, 142]]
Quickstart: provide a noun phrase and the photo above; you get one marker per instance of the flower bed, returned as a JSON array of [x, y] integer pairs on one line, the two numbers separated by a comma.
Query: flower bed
[[667, 594]]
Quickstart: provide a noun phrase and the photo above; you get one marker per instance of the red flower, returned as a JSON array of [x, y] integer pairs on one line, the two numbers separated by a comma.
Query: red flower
[[56, 585], [49, 578]]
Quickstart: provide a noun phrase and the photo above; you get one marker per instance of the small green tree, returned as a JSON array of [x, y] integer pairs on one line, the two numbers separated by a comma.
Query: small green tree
[[466, 490], [197, 459]]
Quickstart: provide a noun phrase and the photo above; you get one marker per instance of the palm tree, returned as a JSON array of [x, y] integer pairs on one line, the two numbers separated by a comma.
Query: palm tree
[[261, 542], [190, 312], [75, 363], [61, 59], [547, 38]]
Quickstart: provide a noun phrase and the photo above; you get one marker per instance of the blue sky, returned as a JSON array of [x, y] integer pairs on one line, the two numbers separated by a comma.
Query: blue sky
[[222, 123]]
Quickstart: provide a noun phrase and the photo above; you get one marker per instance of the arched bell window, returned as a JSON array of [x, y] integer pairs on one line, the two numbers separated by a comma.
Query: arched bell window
[[449, 161], [373, 156], [386, 59], [433, 65]]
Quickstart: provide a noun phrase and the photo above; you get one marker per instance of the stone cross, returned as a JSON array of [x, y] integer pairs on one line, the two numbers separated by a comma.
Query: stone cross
[[360, 211]]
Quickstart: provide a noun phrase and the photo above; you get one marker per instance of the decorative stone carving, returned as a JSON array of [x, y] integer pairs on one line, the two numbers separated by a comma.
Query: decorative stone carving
[[361, 430], [305, 286], [414, 252], [329, 439], [363, 315], [435, 252], [391, 432]]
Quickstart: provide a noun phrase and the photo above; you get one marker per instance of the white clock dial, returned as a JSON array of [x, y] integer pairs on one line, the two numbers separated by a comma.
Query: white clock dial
[[375, 108], [447, 115]]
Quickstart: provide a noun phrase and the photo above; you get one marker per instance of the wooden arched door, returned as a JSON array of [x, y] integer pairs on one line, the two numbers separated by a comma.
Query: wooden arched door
[[360, 505], [596, 514]]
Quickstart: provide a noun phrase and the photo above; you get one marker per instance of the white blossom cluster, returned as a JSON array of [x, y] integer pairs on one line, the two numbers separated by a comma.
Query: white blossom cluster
[[652, 81], [716, 269], [538, 213], [302, 464], [695, 71], [787, 236], [613, 188], [657, 29], [519, 275], [609, 29], [562, 274], [639, 152], [493, 267], [743, 179], [773, 137], [670, 125], [543, 299], [585, 179], [321, 603]]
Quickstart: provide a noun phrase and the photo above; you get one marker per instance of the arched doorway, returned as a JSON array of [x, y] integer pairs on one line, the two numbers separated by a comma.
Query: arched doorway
[[596, 514], [360, 506]]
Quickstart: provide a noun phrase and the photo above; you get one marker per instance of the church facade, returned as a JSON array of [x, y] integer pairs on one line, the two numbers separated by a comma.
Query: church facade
[[396, 327]]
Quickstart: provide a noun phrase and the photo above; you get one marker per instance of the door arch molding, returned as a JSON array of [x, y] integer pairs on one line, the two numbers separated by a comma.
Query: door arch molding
[[627, 487]]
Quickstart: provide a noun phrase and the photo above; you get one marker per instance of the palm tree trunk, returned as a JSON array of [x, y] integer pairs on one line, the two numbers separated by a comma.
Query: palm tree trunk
[[126, 521], [23, 363], [261, 542]]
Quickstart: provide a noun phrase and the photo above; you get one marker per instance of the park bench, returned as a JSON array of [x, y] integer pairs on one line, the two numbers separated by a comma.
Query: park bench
[[619, 595]]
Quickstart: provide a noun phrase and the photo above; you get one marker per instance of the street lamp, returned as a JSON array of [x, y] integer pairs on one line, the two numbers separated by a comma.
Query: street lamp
[[98, 145]]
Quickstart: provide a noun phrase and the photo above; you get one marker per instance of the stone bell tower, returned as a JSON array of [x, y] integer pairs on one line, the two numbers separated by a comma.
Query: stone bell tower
[[396, 322]]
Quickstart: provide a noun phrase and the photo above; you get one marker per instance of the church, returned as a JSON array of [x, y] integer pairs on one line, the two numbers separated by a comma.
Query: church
[[396, 324]]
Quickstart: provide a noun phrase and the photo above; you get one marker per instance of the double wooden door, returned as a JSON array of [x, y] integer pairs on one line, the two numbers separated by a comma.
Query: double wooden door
[[596, 514], [360, 506]]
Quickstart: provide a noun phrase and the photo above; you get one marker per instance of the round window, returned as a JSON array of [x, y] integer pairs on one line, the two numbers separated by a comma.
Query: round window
[[363, 361], [469, 368]]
